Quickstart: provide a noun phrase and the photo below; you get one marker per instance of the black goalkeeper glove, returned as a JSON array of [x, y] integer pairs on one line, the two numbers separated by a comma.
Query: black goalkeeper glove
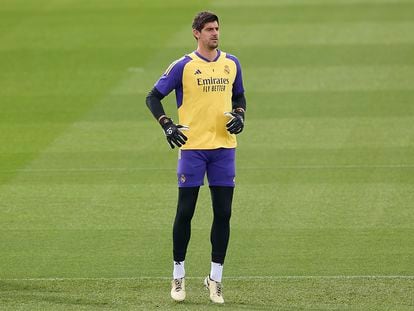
[[173, 133], [236, 124]]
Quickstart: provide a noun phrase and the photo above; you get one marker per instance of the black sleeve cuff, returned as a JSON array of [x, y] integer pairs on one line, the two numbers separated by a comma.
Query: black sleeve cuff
[[239, 101], [153, 102]]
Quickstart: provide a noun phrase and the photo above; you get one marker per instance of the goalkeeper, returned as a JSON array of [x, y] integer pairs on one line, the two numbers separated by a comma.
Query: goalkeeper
[[211, 105]]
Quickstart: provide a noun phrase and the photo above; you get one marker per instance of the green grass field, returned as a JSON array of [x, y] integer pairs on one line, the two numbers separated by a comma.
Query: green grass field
[[323, 215]]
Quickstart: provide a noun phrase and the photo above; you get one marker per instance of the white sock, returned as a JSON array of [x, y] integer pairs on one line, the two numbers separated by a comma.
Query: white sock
[[179, 271], [216, 271]]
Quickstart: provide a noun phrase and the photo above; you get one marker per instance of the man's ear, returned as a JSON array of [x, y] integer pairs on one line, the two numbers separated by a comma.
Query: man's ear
[[196, 34]]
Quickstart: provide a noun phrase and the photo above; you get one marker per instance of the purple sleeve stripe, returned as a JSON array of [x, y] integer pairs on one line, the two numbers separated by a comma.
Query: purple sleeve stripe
[[238, 82], [172, 77]]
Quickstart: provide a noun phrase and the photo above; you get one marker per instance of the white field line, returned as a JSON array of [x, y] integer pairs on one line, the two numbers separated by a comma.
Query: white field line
[[131, 169], [247, 277]]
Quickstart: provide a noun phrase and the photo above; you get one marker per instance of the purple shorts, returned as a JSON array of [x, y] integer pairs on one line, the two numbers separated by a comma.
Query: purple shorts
[[219, 164]]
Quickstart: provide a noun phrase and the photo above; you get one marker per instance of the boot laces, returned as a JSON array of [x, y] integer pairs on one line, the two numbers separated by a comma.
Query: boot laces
[[219, 289], [177, 283]]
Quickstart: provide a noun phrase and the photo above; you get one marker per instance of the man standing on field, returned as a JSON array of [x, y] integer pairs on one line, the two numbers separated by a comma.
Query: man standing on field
[[211, 104]]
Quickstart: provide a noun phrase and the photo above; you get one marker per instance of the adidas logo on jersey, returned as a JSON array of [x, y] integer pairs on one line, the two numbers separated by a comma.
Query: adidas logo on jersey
[[197, 72]]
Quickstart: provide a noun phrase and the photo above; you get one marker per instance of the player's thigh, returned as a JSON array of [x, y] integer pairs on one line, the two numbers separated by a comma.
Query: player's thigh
[[221, 169], [191, 168]]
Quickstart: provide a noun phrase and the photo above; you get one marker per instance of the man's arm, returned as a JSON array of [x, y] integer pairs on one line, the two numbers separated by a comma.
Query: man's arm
[[236, 124], [239, 101], [171, 130], [154, 104]]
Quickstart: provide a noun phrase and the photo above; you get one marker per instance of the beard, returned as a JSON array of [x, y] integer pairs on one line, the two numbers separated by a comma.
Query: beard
[[213, 44]]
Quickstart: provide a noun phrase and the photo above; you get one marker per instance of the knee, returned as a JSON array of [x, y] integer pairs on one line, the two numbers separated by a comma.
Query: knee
[[184, 213], [222, 215]]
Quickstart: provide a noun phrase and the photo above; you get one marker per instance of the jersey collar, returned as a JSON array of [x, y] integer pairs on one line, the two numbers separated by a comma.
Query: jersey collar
[[207, 60]]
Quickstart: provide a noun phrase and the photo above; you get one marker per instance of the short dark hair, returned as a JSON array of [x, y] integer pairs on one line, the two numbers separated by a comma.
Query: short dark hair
[[203, 18]]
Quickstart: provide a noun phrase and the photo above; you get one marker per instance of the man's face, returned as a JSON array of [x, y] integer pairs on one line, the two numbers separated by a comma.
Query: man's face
[[208, 37]]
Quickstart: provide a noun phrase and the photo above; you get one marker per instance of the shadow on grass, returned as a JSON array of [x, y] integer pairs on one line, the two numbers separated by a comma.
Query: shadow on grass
[[38, 294]]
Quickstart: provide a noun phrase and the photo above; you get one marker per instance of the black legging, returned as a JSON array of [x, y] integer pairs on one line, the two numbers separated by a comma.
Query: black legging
[[221, 198]]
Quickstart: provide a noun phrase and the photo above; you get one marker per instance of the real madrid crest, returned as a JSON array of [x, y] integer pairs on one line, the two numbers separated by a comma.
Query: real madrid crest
[[227, 69]]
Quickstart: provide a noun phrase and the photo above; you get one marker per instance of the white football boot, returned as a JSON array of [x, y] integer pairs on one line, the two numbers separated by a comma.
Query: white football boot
[[215, 289], [178, 289]]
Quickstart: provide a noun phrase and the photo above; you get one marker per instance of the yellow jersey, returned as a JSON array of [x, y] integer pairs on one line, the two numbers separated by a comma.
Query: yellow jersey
[[204, 91]]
